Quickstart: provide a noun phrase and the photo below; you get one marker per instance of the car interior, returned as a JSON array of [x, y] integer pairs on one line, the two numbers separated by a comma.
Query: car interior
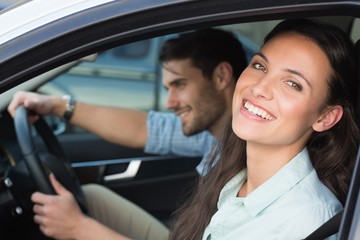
[[157, 183]]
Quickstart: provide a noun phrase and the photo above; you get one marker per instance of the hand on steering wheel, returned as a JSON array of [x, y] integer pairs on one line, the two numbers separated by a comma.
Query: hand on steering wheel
[[54, 160]]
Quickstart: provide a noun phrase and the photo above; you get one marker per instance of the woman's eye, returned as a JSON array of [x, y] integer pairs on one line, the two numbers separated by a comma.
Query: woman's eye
[[294, 85], [259, 67]]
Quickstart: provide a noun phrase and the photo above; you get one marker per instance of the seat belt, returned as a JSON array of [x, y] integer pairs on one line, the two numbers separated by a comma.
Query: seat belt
[[327, 229]]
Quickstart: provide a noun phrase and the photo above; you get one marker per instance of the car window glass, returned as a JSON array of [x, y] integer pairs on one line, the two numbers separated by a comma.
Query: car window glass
[[123, 76], [132, 50]]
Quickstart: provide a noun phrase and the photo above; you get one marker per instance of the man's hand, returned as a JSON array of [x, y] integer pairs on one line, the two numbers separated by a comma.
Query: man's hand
[[38, 104], [58, 215]]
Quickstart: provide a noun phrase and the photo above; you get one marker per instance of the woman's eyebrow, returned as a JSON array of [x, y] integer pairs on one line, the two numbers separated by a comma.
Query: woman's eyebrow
[[262, 56]]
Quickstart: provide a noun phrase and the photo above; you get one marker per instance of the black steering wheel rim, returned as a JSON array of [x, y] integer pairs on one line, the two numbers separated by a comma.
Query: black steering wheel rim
[[38, 167]]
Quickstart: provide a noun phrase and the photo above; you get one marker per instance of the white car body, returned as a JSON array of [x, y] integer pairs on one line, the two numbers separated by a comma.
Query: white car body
[[37, 13]]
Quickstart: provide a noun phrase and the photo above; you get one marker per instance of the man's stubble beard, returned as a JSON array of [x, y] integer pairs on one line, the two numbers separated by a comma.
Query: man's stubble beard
[[207, 111]]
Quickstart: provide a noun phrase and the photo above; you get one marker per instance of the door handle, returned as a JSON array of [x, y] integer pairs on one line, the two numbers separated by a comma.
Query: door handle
[[129, 173]]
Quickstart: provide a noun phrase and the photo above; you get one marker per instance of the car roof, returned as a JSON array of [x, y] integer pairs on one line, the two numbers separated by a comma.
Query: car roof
[[34, 14]]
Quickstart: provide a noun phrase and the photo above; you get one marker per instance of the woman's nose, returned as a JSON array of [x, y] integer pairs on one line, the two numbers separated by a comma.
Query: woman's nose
[[263, 88]]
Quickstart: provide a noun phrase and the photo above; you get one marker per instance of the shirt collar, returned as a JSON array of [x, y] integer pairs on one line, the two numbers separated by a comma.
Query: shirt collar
[[268, 192], [286, 178]]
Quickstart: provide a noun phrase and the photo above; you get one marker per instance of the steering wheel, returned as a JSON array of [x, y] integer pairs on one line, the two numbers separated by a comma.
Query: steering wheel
[[54, 160]]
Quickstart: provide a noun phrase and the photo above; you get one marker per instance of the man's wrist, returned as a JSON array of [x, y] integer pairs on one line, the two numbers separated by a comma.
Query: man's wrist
[[70, 103]]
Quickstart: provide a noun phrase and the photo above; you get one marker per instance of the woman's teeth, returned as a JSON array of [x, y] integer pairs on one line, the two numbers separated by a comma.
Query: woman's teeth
[[257, 111]]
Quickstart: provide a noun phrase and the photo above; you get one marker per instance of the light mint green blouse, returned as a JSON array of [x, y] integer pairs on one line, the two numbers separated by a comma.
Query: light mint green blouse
[[290, 205]]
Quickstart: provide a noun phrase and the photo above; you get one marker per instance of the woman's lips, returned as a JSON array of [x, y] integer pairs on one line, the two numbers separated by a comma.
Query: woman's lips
[[254, 110]]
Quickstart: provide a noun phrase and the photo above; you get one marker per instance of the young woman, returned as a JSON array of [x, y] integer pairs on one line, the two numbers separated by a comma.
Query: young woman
[[286, 156], [288, 153]]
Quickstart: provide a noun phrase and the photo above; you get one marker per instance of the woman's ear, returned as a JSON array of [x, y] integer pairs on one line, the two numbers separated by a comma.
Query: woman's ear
[[223, 75], [328, 119]]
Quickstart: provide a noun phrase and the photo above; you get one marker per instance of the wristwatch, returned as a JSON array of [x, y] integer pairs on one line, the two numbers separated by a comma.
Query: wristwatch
[[69, 107]]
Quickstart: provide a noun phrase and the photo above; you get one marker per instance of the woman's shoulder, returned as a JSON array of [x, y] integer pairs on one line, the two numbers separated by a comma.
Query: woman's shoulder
[[315, 191]]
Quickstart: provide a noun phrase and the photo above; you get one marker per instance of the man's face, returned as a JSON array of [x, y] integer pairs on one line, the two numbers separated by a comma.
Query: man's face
[[191, 96]]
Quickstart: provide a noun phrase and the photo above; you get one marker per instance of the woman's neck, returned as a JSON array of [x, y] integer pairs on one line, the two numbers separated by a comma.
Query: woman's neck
[[263, 163]]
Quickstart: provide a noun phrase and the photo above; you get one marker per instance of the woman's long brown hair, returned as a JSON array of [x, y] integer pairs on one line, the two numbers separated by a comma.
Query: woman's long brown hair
[[332, 152]]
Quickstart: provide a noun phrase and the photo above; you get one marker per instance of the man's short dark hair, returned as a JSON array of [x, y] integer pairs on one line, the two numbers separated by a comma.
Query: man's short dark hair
[[206, 48]]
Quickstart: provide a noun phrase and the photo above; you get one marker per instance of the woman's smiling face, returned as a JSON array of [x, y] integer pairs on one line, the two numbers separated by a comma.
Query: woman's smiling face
[[281, 94]]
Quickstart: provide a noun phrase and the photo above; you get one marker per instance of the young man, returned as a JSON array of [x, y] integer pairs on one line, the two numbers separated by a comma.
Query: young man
[[199, 70]]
